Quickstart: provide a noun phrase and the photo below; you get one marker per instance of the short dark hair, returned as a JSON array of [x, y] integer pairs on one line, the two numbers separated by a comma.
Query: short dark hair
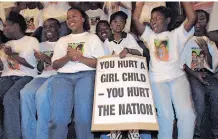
[[163, 10], [55, 20], [194, 52], [86, 25], [101, 22], [123, 15], [164, 43], [15, 17], [206, 14]]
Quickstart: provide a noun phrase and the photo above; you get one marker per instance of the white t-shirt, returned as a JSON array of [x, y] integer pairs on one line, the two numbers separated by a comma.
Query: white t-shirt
[[57, 10], [33, 19], [48, 49], [94, 17], [24, 47], [126, 41], [89, 44], [112, 8], [165, 49], [193, 57], [3, 6]]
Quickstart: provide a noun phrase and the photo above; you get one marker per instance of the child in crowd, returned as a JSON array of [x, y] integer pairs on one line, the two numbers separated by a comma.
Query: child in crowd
[[103, 30], [33, 17], [73, 86], [111, 7], [19, 69], [200, 72], [168, 81], [95, 14], [122, 43], [31, 101]]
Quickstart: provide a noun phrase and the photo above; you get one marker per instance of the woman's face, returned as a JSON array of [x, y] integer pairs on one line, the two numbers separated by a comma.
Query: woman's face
[[74, 19]]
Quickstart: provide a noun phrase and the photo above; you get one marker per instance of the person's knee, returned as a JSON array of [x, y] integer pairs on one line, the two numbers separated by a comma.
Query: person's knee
[[25, 94], [187, 115], [10, 98], [166, 117], [83, 121]]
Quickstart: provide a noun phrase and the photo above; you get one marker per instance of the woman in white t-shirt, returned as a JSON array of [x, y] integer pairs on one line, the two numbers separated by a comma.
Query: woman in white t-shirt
[[168, 81], [75, 57]]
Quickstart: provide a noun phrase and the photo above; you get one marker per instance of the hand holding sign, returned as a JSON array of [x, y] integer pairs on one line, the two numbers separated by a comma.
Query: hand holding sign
[[124, 52]]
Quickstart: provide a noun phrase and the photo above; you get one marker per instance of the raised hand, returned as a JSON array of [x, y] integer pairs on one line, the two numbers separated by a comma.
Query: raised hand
[[202, 44]]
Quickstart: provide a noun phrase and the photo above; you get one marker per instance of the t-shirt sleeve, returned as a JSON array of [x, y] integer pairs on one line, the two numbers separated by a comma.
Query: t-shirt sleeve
[[97, 47], [59, 50], [133, 44], [145, 37], [28, 54], [183, 35]]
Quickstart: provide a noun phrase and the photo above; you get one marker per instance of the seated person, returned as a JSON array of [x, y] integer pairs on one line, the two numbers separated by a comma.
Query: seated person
[[19, 69]]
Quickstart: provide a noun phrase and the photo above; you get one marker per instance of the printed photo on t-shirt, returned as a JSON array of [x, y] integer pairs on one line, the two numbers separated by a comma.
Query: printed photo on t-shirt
[[94, 20], [13, 64], [47, 66], [197, 59], [78, 46], [30, 23], [161, 49]]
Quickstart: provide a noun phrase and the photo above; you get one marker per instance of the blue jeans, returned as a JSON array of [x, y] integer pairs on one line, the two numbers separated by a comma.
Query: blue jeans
[[198, 93], [68, 91], [10, 87], [176, 92], [34, 100]]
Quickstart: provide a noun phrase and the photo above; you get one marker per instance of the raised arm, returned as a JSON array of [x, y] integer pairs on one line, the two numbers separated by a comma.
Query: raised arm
[[190, 14], [137, 12]]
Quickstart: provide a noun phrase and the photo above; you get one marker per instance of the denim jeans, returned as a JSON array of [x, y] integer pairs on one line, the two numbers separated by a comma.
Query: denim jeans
[[10, 87], [34, 101], [68, 91], [198, 93], [176, 92]]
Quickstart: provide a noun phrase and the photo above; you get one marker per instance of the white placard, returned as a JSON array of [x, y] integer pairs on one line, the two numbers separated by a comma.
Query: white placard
[[123, 98]]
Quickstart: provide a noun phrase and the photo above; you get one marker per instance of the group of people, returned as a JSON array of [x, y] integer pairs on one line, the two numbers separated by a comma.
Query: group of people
[[41, 84]]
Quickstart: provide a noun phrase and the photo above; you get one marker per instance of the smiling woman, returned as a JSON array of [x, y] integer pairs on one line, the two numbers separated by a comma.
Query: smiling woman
[[77, 20], [75, 57]]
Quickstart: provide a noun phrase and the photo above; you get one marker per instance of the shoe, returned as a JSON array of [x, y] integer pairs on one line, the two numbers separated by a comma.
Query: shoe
[[133, 134], [115, 135]]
